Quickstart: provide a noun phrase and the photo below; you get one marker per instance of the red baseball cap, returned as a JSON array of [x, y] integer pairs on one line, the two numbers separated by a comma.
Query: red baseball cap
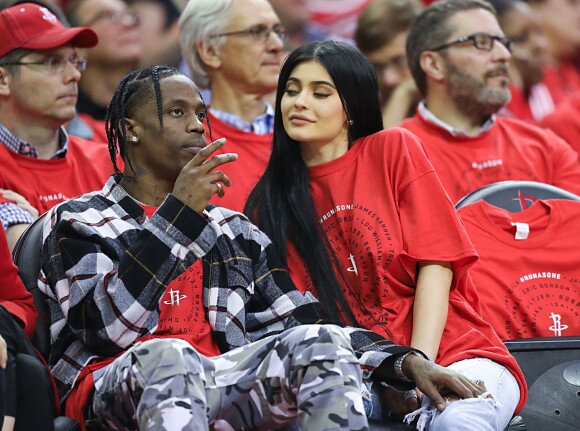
[[32, 26]]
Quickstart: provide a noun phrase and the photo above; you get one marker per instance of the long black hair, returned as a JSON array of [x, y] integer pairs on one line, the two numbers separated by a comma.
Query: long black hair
[[133, 91], [280, 204]]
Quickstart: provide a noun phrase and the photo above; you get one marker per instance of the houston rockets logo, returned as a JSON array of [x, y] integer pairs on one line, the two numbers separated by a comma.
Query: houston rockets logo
[[524, 201], [541, 304], [557, 327], [174, 297]]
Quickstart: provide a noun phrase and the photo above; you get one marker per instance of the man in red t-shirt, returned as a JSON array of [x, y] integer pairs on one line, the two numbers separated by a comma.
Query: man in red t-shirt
[[40, 165], [235, 51], [459, 58]]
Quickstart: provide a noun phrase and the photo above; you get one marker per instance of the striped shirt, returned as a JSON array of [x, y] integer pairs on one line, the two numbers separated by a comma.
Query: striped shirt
[[261, 125]]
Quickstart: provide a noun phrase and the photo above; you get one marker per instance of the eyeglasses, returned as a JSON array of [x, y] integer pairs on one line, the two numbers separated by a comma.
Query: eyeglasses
[[259, 33], [481, 41], [56, 64], [126, 18]]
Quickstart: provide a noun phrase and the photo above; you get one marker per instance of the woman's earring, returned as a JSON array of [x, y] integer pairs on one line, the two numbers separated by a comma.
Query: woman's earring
[[134, 139], [350, 122]]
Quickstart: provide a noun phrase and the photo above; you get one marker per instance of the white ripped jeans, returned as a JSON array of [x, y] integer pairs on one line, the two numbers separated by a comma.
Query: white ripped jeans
[[474, 414]]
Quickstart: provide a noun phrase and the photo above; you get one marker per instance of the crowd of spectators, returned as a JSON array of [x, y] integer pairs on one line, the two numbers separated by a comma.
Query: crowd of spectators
[[219, 192]]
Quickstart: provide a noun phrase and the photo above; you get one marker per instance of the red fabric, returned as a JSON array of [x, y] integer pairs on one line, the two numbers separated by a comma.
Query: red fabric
[[253, 155], [562, 81], [45, 183], [565, 121], [13, 295], [97, 126], [383, 209], [518, 106], [527, 288], [337, 17], [77, 400], [33, 27], [182, 314], [510, 150]]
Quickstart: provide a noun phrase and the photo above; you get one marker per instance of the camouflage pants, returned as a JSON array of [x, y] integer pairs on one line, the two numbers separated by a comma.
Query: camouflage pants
[[308, 373]]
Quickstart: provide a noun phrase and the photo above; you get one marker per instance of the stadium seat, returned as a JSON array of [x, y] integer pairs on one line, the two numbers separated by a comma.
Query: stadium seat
[[515, 196], [26, 255], [551, 367]]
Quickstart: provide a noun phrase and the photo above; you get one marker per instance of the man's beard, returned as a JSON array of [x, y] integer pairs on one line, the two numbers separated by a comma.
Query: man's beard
[[472, 96]]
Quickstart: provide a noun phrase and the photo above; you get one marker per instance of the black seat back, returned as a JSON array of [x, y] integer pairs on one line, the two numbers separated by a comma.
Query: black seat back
[[515, 196], [551, 367], [26, 255]]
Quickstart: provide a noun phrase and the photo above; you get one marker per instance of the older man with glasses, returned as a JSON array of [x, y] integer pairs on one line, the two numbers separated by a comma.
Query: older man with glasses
[[459, 59], [234, 48], [40, 165]]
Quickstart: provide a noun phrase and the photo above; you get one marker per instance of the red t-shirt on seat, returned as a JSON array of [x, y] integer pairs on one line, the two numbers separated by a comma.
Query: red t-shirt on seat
[[527, 287]]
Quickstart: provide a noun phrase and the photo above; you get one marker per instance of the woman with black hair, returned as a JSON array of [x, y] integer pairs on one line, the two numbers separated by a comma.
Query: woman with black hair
[[362, 221]]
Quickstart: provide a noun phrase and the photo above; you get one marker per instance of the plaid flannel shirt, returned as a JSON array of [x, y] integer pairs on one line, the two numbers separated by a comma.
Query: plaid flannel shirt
[[105, 267]]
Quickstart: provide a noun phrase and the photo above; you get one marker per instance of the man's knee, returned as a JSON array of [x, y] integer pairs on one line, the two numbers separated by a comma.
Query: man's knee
[[472, 414], [160, 359], [321, 343]]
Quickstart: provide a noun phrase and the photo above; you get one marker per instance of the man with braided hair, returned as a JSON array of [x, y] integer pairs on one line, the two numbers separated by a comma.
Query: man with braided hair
[[166, 310]]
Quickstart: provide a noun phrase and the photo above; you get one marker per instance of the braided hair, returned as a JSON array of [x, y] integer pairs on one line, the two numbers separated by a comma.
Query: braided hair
[[133, 91]]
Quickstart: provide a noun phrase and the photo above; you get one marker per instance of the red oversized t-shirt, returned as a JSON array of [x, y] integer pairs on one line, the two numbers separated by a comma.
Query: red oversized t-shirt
[[182, 314], [510, 150], [383, 209], [528, 287], [45, 183], [253, 154]]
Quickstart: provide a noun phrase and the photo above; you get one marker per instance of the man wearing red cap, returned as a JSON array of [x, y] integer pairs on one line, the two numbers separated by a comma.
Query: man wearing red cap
[[40, 165]]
